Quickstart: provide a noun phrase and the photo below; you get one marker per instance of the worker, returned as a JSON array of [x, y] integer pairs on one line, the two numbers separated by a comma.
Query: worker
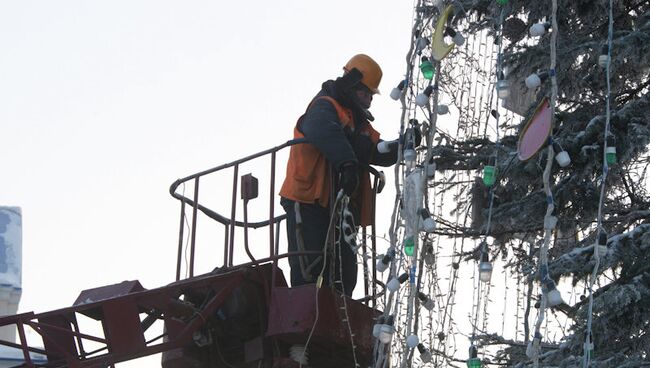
[[341, 145]]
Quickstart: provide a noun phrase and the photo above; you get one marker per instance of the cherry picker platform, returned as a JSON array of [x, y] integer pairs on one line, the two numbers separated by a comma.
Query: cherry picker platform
[[242, 315]]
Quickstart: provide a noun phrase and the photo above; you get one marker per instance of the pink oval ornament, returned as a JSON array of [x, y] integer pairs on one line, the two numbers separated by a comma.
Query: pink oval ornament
[[535, 134]]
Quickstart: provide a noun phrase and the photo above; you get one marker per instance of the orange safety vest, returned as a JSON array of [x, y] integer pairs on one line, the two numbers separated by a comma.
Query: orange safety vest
[[308, 172]]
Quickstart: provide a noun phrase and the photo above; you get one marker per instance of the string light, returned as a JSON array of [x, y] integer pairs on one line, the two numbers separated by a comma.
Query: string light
[[552, 294], [412, 341], [428, 224], [425, 355], [457, 37], [387, 330], [473, 361], [422, 99], [602, 242], [395, 282], [420, 44], [429, 257], [503, 87], [561, 157], [610, 152], [535, 80], [384, 262], [427, 302], [485, 266], [538, 29], [397, 91], [603, 58], [489, 175], [376, 328], [427, 68], [442, 109], [530, 349]]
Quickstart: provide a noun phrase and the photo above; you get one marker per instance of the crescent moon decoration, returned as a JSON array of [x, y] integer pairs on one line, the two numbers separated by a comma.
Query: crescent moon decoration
[[439, 49], [536, 131]]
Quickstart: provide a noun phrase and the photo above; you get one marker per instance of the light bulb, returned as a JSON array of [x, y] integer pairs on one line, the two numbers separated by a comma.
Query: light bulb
[[473, 361], [427, 302], [422, 99], [427, 68], [412, 341], [442, 109], [383, 263], [429, 258], [485, 267], [538, 29], [376, 328], [602, 243], [563, 159], [420, 44], [431, 169], [428, 224], [425, 355], [533, 81], [610, 152], [458, 39], [387, 146], [589, 345], [410, 155], [552, 294], [397, 91], [395, 282], [603, 59], [489, 175], [485, 271], [503, 88], [409, 245], [386, 331]]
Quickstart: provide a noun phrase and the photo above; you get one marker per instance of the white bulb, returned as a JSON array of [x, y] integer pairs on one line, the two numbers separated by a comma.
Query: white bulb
[[550, 222], [485, 271], [395, 93], [442, 109], [554, 298], [529, 350], [429, 225], [602, 60], [393, 284], [503, 88], [429, 304], [381, 266], [412, 341], [386, 333], [537, 30], [431, 170], [533, 81], [421, 100], [376, 328], [563, 159], [458, 39], [409, 155]]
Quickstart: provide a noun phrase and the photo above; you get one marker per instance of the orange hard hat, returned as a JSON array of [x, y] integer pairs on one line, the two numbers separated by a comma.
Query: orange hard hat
[[369, 69]]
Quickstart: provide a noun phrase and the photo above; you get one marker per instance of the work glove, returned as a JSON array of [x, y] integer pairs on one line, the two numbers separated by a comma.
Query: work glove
[[349, 180]]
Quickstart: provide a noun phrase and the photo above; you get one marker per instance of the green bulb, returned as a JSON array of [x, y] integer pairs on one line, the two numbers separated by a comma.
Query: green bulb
[[610, 155], [474, 363], [409, 245], [489, 175], [427, 69], [502, 2]]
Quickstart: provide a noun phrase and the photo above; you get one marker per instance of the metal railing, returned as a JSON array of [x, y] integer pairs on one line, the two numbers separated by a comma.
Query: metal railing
[[273, 222]]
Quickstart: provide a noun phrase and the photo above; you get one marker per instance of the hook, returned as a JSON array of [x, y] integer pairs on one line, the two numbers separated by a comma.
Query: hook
[[439, 49]]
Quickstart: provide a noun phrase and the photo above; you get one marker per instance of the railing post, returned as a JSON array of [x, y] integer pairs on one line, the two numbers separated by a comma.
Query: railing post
[[233, 211], [272, 205], [180, 242], [194, 220]]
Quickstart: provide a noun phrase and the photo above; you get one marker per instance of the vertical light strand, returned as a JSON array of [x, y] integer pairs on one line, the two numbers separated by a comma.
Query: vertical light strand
[[588, 344]]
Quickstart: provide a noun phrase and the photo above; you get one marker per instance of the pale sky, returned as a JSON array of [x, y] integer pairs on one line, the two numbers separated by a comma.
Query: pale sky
[[106, 103]]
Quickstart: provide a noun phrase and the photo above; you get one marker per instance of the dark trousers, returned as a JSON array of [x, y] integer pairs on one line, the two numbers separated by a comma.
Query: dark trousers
[[315, 223]]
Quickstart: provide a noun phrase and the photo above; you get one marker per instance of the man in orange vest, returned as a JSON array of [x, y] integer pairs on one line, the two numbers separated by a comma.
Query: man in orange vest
[[341, 145]]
